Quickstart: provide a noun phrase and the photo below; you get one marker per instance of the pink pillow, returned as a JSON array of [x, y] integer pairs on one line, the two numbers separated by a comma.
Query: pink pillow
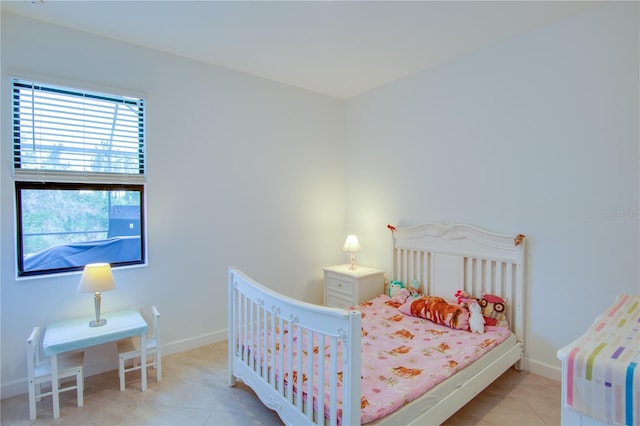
[[438, 310]]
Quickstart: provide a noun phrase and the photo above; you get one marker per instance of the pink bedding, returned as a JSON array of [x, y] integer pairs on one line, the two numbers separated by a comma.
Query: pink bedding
[[405, 356]]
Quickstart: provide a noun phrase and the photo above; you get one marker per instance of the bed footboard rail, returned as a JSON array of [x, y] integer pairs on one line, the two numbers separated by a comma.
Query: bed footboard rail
[[301, 359]]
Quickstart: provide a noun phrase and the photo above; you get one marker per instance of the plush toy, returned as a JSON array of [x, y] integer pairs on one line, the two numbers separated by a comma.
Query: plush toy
[[401, 295], [493, 310], [461, 294], [415, 288], [476, 320], [464, 299], [394, 286]]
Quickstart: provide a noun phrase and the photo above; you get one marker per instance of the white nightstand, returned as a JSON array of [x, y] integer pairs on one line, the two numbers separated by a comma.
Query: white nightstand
[[344, 287]]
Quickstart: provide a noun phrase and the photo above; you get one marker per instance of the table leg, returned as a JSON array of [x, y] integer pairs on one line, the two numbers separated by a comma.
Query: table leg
[[143, 360], [55, 395]]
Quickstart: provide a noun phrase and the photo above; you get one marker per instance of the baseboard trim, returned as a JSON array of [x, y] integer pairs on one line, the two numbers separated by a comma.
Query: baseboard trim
[[543, 369], [193, 342]]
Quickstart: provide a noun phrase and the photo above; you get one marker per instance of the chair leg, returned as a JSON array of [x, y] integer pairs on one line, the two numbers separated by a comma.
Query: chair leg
[[158, 366], [32, 400], [80, 387], [121, 373], [38, 392]]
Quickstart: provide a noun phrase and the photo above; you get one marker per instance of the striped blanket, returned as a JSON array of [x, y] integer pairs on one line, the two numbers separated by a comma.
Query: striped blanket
[[600, 369]]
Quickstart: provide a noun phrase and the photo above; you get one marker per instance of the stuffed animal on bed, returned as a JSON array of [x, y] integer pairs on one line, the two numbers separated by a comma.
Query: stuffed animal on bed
[[438, 310], [464, 299], [476, 320], [394, 286], [415, 289], [401, 295], [461, 294], [493, 310]]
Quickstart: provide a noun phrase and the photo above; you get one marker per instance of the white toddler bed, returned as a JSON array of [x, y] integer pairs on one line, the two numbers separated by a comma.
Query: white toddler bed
[[271, 334]]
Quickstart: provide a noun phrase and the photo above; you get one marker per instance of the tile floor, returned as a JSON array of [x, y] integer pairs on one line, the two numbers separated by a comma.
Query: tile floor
[[194, 391]]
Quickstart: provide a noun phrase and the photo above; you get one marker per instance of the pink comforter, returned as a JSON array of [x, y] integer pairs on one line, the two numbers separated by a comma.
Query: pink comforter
[[403, 357]]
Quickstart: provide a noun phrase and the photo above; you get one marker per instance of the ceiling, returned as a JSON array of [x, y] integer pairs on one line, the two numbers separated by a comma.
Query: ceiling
[[338, 48]]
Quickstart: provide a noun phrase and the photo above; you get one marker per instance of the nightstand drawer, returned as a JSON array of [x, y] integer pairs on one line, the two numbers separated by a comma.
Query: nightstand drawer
[[345, 287], [338, 285], [338, 302]]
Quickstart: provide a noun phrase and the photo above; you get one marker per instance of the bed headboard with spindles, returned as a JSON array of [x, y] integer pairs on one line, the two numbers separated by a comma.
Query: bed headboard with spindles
[[463, 257]]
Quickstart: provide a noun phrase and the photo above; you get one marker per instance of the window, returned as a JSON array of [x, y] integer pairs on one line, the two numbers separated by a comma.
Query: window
[[79, 169]]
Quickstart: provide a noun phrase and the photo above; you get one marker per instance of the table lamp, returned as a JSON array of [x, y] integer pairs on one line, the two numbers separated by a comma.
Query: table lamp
[[95, 279], [352, 246]]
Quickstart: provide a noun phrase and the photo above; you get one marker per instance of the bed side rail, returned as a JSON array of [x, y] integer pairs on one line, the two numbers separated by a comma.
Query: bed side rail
[[284, 349]]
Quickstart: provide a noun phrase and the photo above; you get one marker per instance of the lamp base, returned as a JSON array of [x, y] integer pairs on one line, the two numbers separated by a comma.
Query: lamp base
[[95, 323], [352, 262], [98, 322]]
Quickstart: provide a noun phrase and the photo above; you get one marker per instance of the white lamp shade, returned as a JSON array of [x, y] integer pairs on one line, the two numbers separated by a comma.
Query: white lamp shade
[[96, 277], [351, 245]]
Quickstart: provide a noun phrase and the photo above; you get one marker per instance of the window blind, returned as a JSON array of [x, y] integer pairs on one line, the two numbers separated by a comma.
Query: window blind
[[62, 134]]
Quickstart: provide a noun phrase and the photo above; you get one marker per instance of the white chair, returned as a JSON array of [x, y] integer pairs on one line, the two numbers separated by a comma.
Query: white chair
[[129, 350], [39, 372]]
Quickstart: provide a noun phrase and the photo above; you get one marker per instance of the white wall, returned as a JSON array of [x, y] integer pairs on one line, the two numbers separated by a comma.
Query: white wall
[[538, 134], [535, 135], [241, 171]]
